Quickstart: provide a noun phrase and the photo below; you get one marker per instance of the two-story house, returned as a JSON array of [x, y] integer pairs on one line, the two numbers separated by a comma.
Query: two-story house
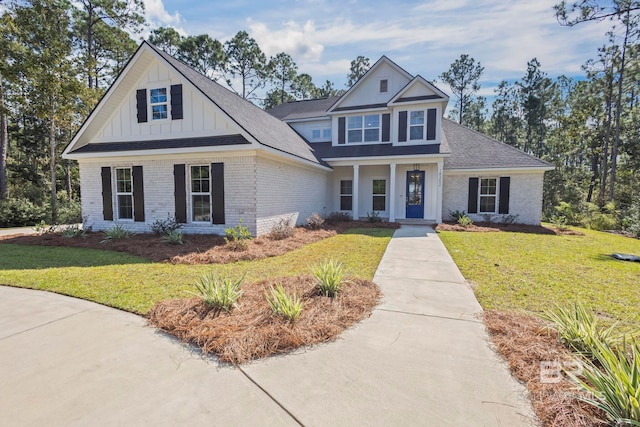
[[167, 141]]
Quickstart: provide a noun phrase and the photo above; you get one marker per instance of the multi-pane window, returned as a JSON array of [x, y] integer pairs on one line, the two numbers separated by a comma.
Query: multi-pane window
[[488, 192], [200, 193], [346, 195], [416, 125], [315, 134], [326, 134], [158, 102], [321, 134], [379, 194], [124, 193], [363, 128]]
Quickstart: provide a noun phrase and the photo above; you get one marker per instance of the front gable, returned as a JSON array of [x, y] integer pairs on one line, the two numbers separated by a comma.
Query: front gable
[[419, 90], [151, 101]]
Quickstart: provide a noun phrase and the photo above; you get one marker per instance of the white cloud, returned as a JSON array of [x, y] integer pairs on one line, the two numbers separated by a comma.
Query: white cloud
[[158, 16], [295, 39]]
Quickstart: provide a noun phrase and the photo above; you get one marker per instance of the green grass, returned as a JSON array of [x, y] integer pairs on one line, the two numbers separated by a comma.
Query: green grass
[[135, 284], [535, 271]]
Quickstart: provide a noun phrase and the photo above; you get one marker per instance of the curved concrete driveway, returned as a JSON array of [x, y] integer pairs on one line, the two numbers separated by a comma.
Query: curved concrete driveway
[[421, 359]]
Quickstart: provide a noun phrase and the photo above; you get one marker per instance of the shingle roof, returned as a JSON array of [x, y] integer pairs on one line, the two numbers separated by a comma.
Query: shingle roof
[[206, 141], [305, 109], [325, 150], [265, 128], [473, 150]]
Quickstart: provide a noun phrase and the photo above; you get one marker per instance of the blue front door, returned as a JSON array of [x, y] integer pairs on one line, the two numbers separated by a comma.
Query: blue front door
[[415, 194]]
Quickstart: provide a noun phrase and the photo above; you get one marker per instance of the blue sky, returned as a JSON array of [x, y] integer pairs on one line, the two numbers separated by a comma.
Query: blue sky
[[423, 37]]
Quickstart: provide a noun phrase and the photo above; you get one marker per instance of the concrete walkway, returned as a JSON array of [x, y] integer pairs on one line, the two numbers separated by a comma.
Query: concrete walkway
[[422, 358], [17, 230]]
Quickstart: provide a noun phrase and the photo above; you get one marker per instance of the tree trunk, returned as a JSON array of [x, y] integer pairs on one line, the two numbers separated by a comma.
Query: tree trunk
[[594, 176], [616, 141], [52, 169], [67, 171], [90, 44], [4, 144], [604, 170]]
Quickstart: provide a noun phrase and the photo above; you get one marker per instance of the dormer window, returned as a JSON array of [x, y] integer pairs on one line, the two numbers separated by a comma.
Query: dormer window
[[384, 85], [158, 102]]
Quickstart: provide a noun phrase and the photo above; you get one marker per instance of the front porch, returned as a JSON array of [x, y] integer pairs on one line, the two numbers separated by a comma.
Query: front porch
[[395, 189]]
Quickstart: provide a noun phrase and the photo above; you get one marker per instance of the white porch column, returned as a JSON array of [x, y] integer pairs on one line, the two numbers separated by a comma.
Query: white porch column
[[354, 196], [392, 192], [439, 201]]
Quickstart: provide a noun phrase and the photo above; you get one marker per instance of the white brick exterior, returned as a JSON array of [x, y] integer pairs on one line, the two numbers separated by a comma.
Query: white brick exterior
[[525, 195], [286, 190], [258, 191]]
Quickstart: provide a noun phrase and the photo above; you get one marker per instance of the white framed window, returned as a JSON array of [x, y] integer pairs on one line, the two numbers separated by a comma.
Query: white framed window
[[416, 125], [363, 128], [326, 134], [346, 195], [315, 134], [379, 194], [200, 177], [158, 102], [321, 134], [488, 195], [124, 193]]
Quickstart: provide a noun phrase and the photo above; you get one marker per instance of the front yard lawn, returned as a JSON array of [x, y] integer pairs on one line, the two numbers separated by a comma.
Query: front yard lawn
[[533, 272], [135, 284]]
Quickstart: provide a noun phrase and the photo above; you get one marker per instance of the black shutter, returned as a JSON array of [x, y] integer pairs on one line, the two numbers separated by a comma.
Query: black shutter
[[138, 194], [180, 193], [503, 206], [141, 105], [107, 199], [386, 124], [473, 196], [217, 192], [341, 129], [176, 102], [402, 126], [431, 124]]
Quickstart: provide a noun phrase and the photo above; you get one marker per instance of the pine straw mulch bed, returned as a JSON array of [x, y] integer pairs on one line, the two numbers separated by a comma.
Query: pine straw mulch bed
[[251, 331], [487, 227], [525, 341], [197, 249]]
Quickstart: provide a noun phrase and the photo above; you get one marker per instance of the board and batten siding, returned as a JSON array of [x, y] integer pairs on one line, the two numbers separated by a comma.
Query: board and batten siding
[[159, 202], [525, 195], [199, 118], [286, 190]]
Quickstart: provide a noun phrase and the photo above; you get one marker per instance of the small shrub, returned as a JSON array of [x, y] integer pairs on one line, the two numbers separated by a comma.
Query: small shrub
[[374, 216], [69, 211], [43, 228], [559, 222], [570, 213], [239, 232], [600, 219], [219, 293], [117, 232], [72, 231], [455, 215], [465, 221], [487, 217], [282, 230], [613, 383], [509, 219], [173, 237], [336, 217], [315, 221], [330, 277], [165, 226], [284, 305], [579, 329]]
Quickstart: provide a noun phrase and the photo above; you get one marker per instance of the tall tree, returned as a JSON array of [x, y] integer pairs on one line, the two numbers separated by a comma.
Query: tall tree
[[167, 39], [284, 72], [246, 60], [303, 87], [358, 68], [7, 46], [505, 123], [92, 21], [462, 77], [44, 30], [204, 54]]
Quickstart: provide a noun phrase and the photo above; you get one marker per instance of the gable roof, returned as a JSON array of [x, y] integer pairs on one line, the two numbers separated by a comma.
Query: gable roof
[[439, 95], [265, 129], [305, 109], [473, 150], [379, 62]]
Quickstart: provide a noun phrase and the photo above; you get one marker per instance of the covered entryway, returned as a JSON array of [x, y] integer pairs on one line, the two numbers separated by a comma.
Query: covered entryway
[[415, 194]]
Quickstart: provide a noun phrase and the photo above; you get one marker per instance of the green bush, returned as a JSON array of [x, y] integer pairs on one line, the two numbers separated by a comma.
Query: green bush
[[72, 231], [579, 329], [612, 382], [374, 216], [465, 221], [165, 226], [568, 213], [329, 276], [237, 238], [219, 293], [336, 217], [600, 219], [21, 212], [457, 214], [117, 232], [69, 212], [173, 237], [284, 305]]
